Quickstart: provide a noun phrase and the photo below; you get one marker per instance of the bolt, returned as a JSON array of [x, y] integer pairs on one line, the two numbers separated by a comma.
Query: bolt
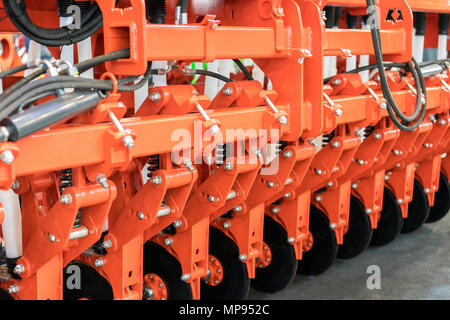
[[442, 122], [400, 201], [128, 142], [13, 289], [228, 91], [383, 105], [51, 238], [226, 225], [330, 184], [280, 11], [216, 281], [168, 241], [228, 166], [377, 136], [243, 257], [333, 226], [141, 216], [275, 210], [335, 144], [237, 209], [99, 263], [7, 157], [214, 26], [155, 97], [103, 181], [360, 162], [66, 198], [318, 198], [148, 293], [270, 184], [187, 163], [291, 240], [185, 277], [156, 180], [107, 244], [395, 152], [337, 82], [427, 190], [301, 60], [386, 177], [19, 269], [287, 195], [282, 120], [15, 185], [354, 185], [338, 112], [426, 145], [211, 198], [287, 154], [318, 171], [368, 211], [398, 165], [177, 224]]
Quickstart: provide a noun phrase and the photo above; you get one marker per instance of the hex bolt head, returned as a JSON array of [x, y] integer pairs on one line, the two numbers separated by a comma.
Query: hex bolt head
[[427, 190], [66, 198], [15, 185], [333, 226], [7, 157], [270, 184], [291, 240], [128, 142], [103, 181], [148, 293], [185, 277], [280, 11], [168, 241], [177, 224], [107, 244], [354, 185], [228, 166], [226, 225], [282, 120], [99, 263], [287, 154], [336, 82], [377, 136], [442, 122], [211, 198], [51, 238], [386, 177], [155, 97], [215, 130], [335, 144], [399, 201], [368, 211], [426, 145], [287, 195], [187, 163], [318, 198], [395, 152], [361, 162], [228, 91], [338, 112], [243, 257], [141, 216], [383, 105], [19, 269], [318, 171], [156, 180], [275, 210], [237, 209], [13, 289]]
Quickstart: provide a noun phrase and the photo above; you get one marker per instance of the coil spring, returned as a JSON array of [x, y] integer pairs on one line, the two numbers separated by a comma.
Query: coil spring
[[369, 130], [152, 165], [326, 138], [65, 182], [281, 146], [221, 154]]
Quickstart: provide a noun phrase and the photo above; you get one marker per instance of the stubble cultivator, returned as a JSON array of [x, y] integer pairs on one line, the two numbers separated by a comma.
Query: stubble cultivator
[[195, 149]]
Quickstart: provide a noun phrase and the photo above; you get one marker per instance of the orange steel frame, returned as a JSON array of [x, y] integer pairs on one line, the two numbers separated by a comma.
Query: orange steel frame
[[289, 45]]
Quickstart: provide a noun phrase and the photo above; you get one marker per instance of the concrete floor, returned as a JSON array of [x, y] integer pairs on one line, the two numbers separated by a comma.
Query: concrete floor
[[414, 266]]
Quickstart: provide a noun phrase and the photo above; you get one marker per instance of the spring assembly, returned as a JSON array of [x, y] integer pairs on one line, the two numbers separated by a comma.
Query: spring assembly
[[152, 165], [66, 181], [221, 154]]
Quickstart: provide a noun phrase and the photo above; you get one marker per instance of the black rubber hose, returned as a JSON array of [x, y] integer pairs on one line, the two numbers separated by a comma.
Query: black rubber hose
[[391, 106], [243, 69], [91, 21], [420, 23], [213, 75], [12, 71]]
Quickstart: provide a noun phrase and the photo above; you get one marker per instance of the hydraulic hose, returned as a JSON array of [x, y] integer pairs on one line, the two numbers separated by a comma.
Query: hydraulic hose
[[392, 108], [91, 20]]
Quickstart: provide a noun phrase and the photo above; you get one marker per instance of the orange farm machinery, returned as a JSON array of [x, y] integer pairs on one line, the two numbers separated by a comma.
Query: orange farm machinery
[[193, 149]]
